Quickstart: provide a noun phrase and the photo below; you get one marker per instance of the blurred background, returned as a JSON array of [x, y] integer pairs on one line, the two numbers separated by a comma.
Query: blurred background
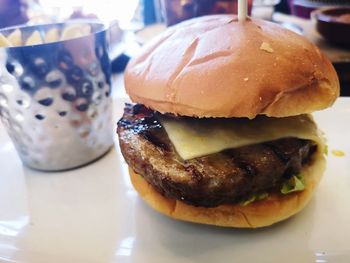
[[134, 22]]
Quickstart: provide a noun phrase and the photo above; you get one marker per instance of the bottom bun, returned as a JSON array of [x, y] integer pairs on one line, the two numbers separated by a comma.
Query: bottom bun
[[275, 208]]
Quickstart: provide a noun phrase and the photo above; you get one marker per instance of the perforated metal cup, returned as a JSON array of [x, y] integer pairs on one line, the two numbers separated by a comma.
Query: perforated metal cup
[[55, 99]]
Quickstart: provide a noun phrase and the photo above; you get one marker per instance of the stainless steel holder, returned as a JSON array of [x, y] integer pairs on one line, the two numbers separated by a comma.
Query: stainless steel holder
[[55, 99]]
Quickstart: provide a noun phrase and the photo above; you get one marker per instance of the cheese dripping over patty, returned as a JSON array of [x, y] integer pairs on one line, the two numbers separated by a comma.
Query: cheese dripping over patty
[[196, 137]]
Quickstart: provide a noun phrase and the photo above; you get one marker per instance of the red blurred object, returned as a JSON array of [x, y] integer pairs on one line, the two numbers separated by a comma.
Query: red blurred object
[[300, 9], [303, 8], [333, 24], [175, 11]]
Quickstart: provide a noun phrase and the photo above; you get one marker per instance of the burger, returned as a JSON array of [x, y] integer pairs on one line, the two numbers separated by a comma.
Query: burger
[[220, 131]]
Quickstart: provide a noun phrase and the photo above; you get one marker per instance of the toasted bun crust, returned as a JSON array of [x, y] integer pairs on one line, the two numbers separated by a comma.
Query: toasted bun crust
[[215, 66], [257, 214]]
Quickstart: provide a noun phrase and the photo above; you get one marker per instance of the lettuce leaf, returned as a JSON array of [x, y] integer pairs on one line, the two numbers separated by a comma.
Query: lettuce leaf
[[294, 184], [325, 150], [254, 197]]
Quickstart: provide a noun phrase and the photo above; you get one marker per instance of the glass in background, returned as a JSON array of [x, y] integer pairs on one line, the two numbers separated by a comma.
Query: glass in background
[[264, 9], [175, 11], [104, 10], [13, 12]]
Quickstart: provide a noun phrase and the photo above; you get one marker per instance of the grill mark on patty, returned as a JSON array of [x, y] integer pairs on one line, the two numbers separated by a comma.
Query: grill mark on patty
[[248, 168], [288, 173], [195, 175], [137, 109], [220, 178], [312, 150], [238, 161], [147, 124], [154, 139], [278, 153], [152, 128]]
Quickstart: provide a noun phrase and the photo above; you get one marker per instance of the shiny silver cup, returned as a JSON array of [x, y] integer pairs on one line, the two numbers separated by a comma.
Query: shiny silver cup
[[55, 98]]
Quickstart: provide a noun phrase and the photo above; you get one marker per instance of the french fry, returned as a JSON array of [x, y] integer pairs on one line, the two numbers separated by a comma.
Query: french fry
[[15, 38], [74, 31], [4, 41], [52, 35], [34, 39]]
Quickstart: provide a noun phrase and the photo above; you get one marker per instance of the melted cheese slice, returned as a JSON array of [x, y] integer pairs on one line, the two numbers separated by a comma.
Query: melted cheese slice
[[198, 137]]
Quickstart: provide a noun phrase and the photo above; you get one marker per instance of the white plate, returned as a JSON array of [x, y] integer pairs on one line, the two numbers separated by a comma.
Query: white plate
[[93, 215]]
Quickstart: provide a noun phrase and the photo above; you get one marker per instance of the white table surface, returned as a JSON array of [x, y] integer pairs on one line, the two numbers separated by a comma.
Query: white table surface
[[92, 214]]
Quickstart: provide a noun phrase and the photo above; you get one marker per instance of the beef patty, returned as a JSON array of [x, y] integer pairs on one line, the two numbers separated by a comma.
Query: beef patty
[[226, 177]]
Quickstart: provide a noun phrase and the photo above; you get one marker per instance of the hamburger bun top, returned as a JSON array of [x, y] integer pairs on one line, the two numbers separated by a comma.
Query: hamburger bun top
[[215, 66]]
